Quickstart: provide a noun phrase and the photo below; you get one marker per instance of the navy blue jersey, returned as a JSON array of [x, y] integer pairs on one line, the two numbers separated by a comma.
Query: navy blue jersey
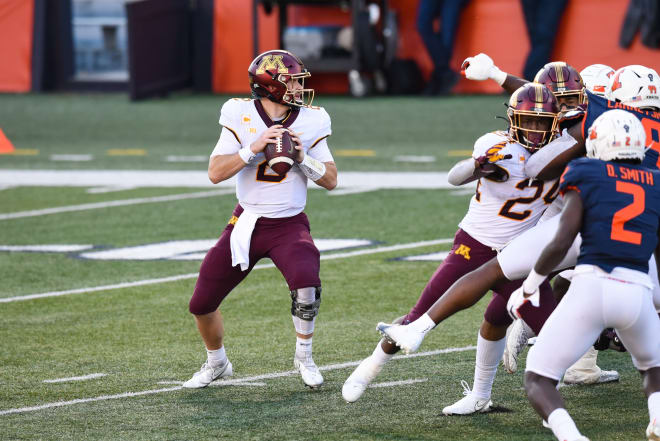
[[621, 205], [650, 120]]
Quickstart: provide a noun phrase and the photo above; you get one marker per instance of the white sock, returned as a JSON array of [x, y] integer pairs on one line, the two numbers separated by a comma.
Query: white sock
[[562, 425], [379, 356], [216, 357], [489, 354], [654, 407], [303, 347], [423, 324]]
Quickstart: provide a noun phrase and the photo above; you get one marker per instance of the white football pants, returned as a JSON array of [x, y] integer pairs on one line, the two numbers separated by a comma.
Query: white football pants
[[597, 300]]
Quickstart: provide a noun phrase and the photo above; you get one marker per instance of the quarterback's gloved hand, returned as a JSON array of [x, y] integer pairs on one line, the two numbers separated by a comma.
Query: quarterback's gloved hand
[[518, 299], [480, 68], [490, 158]]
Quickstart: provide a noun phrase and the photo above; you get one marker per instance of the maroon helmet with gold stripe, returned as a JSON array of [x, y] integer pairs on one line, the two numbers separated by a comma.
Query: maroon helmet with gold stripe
[[532, 101], [270, 74], [563, 79]]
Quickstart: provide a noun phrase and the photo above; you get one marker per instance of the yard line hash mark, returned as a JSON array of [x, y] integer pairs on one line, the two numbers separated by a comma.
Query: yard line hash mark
[[80, 378], [194, 275], [236, 381], [399, 383], [117, 203]]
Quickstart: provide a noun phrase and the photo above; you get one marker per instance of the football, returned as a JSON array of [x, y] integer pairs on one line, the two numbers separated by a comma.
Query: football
[[280, 155]]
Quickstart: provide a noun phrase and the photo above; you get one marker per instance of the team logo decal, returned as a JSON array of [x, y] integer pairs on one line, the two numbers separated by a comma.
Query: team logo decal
[[272, 63], [463, 251]]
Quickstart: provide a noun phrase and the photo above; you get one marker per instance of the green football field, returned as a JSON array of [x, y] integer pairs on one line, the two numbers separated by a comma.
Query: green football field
[[96, 338]]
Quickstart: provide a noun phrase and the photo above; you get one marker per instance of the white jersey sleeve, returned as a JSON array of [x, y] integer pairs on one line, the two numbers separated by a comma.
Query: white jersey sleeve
[[229, 142]]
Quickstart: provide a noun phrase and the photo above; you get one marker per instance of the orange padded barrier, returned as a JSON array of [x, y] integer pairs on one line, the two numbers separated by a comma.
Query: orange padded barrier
[[16, 22], [589, 33]]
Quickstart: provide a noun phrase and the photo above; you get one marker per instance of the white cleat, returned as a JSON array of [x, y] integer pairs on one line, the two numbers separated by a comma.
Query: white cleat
[[357, 382], [207, 374], [577, 379], [653, 431], [516, 339], [401, 335], [468, 404], [309, 372]]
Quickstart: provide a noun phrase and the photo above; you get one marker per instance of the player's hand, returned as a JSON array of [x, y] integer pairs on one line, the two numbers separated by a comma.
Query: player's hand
[[268, 136], [487, 162], [478, 68], [519, 298], [298, 146]]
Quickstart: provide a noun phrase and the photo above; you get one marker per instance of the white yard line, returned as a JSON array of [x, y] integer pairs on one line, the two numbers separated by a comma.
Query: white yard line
[[237, 381], [399, 383], [81, 378], [118, 203], [194, 275]]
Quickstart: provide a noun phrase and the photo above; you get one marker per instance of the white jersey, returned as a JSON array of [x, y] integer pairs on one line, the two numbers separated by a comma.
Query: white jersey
[[500, 211], [258, 188]]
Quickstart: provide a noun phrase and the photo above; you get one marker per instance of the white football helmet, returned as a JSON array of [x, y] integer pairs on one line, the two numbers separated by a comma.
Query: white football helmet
[[596, 78], [635, 86], [616, 134]]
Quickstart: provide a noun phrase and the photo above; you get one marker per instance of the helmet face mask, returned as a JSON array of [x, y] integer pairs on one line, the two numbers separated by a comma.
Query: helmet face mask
[[279, 76], [564, 81], [635, 86], [532, 113], [616, 134]]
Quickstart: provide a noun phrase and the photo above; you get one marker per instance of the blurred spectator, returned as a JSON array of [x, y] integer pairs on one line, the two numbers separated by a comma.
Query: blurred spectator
[[542, 19], [440, 45]]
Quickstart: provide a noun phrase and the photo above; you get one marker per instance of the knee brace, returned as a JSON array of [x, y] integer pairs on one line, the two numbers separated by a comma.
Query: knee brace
[[305, 302]]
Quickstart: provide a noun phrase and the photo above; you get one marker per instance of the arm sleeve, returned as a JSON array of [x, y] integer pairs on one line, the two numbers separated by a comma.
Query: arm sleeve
[[571, 178], [229, 141], [321, 151], [539, 160], [227, 144], [461, 171]]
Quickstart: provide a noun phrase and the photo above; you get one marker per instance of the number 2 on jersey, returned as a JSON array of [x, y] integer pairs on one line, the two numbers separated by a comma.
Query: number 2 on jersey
[[634, 209]]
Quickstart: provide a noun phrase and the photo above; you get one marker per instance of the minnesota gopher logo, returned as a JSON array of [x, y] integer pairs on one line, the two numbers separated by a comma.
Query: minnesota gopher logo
[[463, 251], [272, 63]]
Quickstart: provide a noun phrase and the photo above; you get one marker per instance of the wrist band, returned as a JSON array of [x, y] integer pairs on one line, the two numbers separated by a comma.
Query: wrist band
[[312, 168], [246, 154], [532, 282], [497, 75]]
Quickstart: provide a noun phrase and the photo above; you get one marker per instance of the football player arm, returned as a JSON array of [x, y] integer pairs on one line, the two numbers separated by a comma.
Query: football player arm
[[329, 179], [224, 166], [481, 67], [570, 223], [550, 164], [322, 173]]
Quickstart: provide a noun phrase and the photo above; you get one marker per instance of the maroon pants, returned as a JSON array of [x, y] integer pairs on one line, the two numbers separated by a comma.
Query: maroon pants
[[466, 255], [288, 243]]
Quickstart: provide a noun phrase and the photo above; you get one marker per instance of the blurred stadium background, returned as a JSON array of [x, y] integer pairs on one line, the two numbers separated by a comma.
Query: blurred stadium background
[[108, 112]]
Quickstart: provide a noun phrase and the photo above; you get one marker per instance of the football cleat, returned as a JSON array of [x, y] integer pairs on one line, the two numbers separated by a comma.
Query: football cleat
[[604, 377], [404, 336], [357, 382], [311, 376], [517, 336], [653, 431], [468, 404], [207, 374]]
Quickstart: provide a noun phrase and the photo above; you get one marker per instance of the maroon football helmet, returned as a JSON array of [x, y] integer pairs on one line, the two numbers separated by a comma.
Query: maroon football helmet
[[532, 113], [564, 81], [270, 74]]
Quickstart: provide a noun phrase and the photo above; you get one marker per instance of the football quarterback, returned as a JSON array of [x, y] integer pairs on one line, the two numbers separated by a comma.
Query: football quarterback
[[269, 220]]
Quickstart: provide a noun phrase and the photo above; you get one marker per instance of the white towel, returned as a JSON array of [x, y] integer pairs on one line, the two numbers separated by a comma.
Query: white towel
[[239, 240]]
